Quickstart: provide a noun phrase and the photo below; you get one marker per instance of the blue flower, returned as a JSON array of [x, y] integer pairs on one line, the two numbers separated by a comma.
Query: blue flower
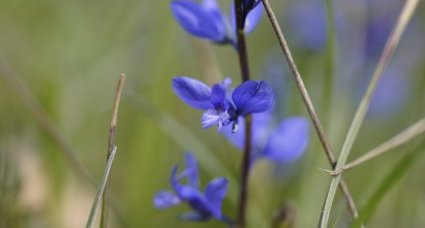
[[253, 97], [248, 6], [221, 110], [207, 21], [284, 144], [205, 204], [361, 51], [308, 20]]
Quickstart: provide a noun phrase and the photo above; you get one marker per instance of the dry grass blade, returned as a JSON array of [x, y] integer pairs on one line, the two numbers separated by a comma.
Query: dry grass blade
[[111, 146], [309, 105]]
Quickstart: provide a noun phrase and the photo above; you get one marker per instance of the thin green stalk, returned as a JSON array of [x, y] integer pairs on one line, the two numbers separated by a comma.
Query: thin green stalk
[[102, 186], [384, 60]]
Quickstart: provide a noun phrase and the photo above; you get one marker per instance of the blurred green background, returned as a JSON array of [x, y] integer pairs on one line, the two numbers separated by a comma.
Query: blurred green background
[[60, 62]]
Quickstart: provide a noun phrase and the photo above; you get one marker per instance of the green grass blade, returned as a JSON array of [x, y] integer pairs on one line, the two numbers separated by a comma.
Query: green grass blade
[[397, 172]]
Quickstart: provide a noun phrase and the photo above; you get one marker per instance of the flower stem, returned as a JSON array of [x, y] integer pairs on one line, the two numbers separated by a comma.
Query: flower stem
[[244, 66], [243, 191], [241, 48]]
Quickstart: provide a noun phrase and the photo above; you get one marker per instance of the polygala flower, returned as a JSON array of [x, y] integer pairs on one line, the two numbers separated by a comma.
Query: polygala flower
[[221, 110], [205, 204], [207, 21], [283, 144]]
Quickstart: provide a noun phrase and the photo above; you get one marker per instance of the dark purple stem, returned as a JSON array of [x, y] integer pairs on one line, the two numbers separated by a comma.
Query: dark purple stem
[[243, 62]]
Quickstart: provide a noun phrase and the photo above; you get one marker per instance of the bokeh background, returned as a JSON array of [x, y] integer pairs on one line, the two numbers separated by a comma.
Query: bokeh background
[[59, 64]]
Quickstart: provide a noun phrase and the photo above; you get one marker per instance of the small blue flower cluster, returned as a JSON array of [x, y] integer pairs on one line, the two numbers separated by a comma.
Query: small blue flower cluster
[[205, 204], [226, 107], [283, 144], [249, 97], [207, 20]]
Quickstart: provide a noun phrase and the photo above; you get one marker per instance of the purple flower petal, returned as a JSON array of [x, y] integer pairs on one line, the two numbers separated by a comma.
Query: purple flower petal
[[235, 138], [195, 198], [213, 117], [253, 97], [193, 92], [385, 101], [174, 180], [189, 193], [254, 3], [309, 24], [165, 199], [198, 20], [211, 5], [289, 141], [261, 127], [218, 96], [215, 193], [205, 205], [219, 92], [377, 31], [253, 18], [191, 170]]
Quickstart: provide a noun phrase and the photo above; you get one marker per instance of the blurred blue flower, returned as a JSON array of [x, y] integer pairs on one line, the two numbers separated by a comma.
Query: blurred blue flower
[[308, 20], [391, 94], [205, 204], [393, 91], [249, 97], [207, 21], [284, 144]]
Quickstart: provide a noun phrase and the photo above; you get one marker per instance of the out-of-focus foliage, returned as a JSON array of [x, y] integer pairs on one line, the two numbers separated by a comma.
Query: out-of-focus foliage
[[70, 54]]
